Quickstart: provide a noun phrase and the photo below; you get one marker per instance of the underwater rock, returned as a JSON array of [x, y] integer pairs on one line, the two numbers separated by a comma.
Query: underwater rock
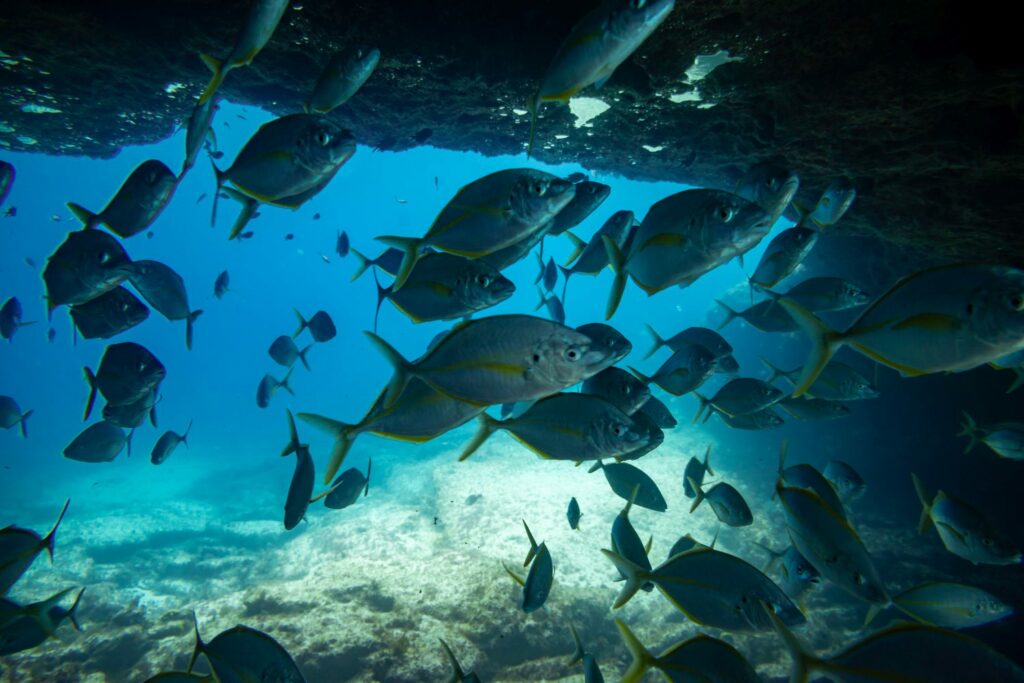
[[916, 101]]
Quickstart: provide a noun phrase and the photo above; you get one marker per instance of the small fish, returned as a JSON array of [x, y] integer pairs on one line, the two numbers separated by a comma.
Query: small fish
[[700, 658], [390, 261], [591, 672], [30, 262], [659, 412], [691, 336], [165, 445], [458, 675], [401, 200], [87, 264], [138, 202], [341, 245], [11, 212], [618, 387], [695, 471], [631, 483], [726, 501], [685, 370], [10, 415], [762, 419], [99, 442], [782, 256], [126, 373], [7, 175], [316, 216], [770, 186], [964, 530], [554, 305], [766, 316], [51, 334], [164, 289], [836, 382], [220, 285], [348, 487], [320, 326], [20, 547], [289, 237], [268, 387], [303, 478], [940, 320], [589, 196], [56, 218], [593, 257], [325, 259], [948, 605], [284, 352], [36, 623], [537, 584], [344, 74], [573, 514], [805, 408], [798, 575], [247, 235], [626, 541], [740, 396], [197, 132], [10, 318], [259, 26], [835, 201], [1006, 439], [825, 294], [845, 479], [548, 273], [245, 654]]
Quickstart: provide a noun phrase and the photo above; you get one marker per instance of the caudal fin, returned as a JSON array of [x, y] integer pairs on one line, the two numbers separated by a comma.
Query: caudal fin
[[730, 314], [617, 261], [488, 425], [293, 444], [199, 647], [824, 343], [344, 436], [88, 218], [698, 491], [634, 574], [73, 612], [642, 658], [90, 379], [411, 246], [189, 325], [578, 245], [51, 537], [802, 662], [403, 369], [969, 428], [1017, 381], [778, 372], [23, 422], [303, 324], [362, 263], [641, 376], [382, 295], [705, 403], [656, 338], [926, 507], [707, 464], [218, 71], [534, 547]]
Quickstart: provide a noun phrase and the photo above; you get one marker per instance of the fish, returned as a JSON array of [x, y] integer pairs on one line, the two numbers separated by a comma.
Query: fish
[[165, 445], [691, 336], [87, 264], [740, 396], [36, 623], [486, 215], [259, 26], [685, 370], [165, 291], [808, 477], [548, 273], [506, 256], [944, 319], [591, 672], [301, 487], [20, 547], [10, 318], [10, 415], [501, 359], [727, 503], [138, 202], [712, 588], [444, 286], [268, 387], [11, 212], [51, 334], [99, 442], [126, 373], [655, 409], [599, 42], [836, 382], [626, 541], [845, 479], [766, 316], [761, 419], [109, 314], [220, 285], [631, 483], [132, 415], [554, 305], [694, 472], [7, 175], [566, 426], [948, 605], [782, 255], [618, 387], [906, 652], [344, 74], [420, 414], [197, 132], [652, 436], [289, 237], [682, 237], [835, 201], [284, 352], [573, 514], [805, 408], [245, 654], [458, 675], [341, 245], [589, 196], [700, 658], [538, 582], [390, 261], [964, 530], [348, 487], [769, 185], [818, 294], [1006, 439], [830, 544], [798, 575], [608, 338], [320, 326], [593, 257]]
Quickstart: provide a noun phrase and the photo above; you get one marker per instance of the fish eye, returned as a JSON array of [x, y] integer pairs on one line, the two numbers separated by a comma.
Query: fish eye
[[103, 257], [617, 429], [483, 280], [536, 358], [323, 137], [141, 367], [572, 355], [826, 201], [726, 213], [1017, 302]]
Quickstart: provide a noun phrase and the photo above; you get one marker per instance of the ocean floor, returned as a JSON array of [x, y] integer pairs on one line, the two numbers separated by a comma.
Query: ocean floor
[[363, 594]]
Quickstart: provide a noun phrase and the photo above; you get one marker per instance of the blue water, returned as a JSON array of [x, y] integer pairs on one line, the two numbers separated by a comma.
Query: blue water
[[203, 531]]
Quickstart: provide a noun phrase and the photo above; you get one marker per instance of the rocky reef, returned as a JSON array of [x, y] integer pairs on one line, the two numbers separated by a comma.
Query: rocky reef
[[917, 101]]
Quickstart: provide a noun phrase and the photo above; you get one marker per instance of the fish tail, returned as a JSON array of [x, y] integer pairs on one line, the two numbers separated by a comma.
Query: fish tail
[[532, 106], [488, 425], [283, 384], [1017, 381], [873, 611], [634, 575], [369, 466], [303, 324], [189, 325], [382, 294], [658, 341], [50, 539], [249, 208], [344, 435], [83, 214], [515, 577], [730, 314], [184, 437], [456, 669], [540, 264], [778, 372], [926, 507], [639, 375], [543, 300], [302, 356], [73, 612], [802, 661], [200, 646], [403, 369], [411, 246], [704, 403], [577, 655], [773, 556], [595, 467], [824, 343], [533, 545], [128, 442], [293, 436], [707, 466], [618, 264], [218, 70], [578, 245], [642, 657], [566, 272], [698, 491], [969, 428], [362, 264], [90, 379], [23, 422]]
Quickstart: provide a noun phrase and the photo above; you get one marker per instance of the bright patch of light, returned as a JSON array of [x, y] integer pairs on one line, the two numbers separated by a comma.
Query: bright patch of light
[[688, 96], [26, 140], [561, 136], [586, 109], [38, 109], [652, 148], [172, 88], [520, 112], [706, 105], [705, 64]]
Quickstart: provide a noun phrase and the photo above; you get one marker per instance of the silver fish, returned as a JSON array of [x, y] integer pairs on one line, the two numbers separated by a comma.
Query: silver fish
[[259, 26], [343, 76], [138, 202]]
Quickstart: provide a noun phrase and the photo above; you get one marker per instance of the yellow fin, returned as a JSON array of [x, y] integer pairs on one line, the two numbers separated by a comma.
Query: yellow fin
[[934, 322]]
